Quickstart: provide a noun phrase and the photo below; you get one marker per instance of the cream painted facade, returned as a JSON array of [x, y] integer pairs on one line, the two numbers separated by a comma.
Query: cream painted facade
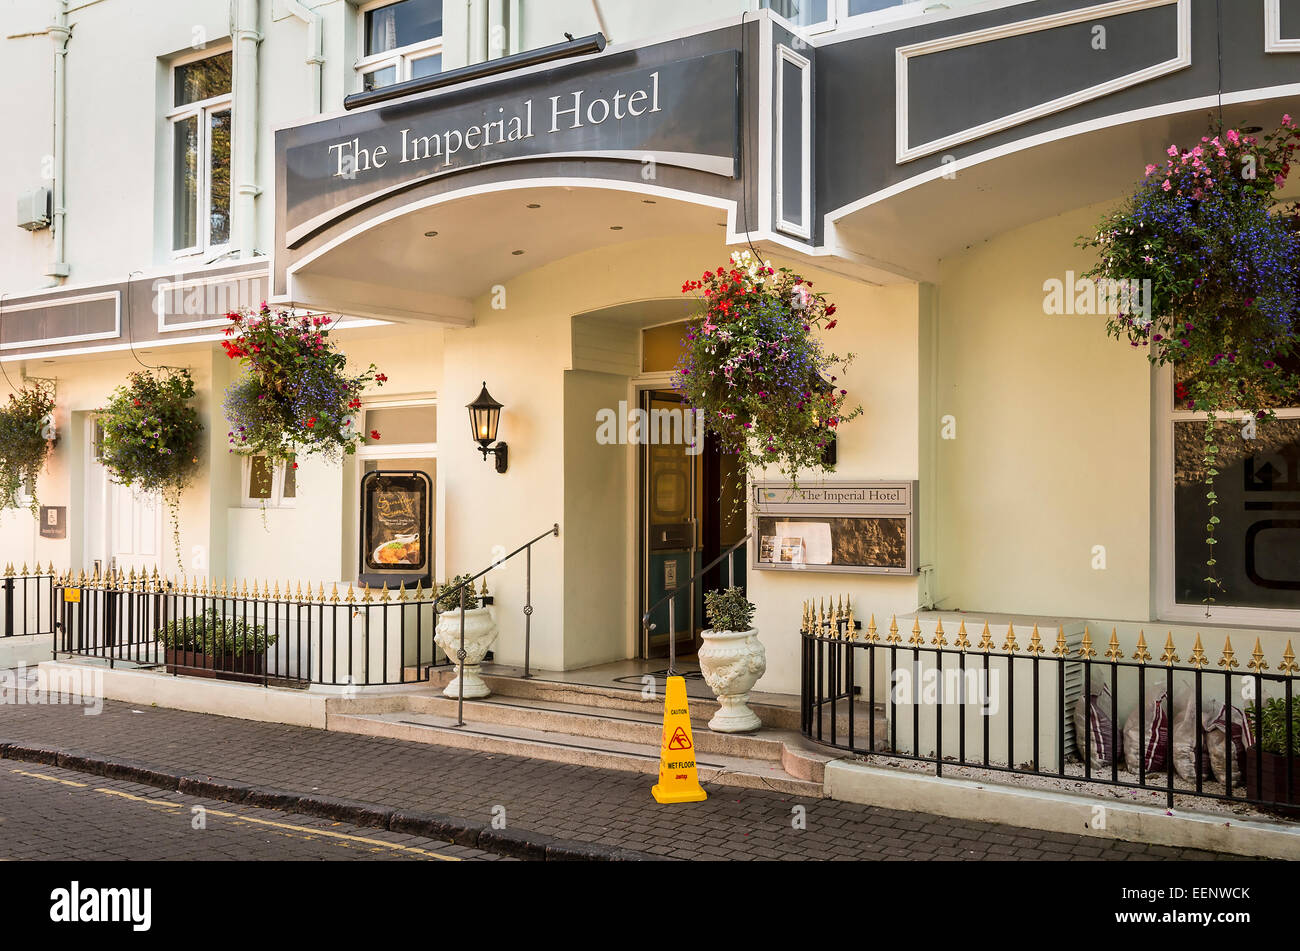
[[1054, 424]]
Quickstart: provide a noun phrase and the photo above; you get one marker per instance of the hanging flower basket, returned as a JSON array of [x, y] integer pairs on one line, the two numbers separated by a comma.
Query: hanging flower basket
[[297, 398], [152, 437], [1206, 272], [26, 439], [755, 369]]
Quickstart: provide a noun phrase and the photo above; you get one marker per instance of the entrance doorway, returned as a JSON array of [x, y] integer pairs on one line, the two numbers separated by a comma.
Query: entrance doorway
[[691, 509], [123, 528]]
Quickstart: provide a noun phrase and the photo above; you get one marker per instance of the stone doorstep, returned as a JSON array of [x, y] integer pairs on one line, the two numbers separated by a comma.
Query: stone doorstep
[[1056, 811], [604, 753]]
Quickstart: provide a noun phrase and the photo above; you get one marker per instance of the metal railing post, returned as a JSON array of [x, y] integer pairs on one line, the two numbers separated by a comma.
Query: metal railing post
[[9, 606], [672, 636], [460, 659], [528, 609]]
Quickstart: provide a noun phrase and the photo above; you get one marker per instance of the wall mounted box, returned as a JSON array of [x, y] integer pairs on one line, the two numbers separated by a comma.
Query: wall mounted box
[[861, 527], [34, 209]]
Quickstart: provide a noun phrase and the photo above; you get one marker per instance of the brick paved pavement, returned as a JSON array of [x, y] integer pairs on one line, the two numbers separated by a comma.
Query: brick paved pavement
[[568, 801], [50, 813]]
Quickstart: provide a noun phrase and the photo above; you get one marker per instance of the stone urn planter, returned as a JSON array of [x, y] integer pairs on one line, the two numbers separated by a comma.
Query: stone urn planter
[[480, 634], [732, 662]]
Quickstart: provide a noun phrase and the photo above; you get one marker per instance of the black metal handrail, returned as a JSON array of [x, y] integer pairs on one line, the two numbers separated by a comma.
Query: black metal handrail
[[671, 598], [528, 612]]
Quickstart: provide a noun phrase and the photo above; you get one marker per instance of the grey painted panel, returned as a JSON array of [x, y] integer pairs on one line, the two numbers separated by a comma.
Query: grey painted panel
[[41, 327], [1290, 19], [792, 109], [952, 90], [855, 132], [59, 321]]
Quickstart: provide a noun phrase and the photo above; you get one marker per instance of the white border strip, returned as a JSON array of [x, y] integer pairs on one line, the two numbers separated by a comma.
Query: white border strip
[[783, 55], [114, 296], [1274, 41], [906, 152], [166, 287]]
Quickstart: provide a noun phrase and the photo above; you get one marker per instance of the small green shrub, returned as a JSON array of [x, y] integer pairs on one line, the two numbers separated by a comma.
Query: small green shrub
[[729, 610], [449, 598], [214, 635], [1270, 726]]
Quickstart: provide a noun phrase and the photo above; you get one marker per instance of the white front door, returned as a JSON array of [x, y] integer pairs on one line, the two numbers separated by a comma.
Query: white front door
[[123, 528]]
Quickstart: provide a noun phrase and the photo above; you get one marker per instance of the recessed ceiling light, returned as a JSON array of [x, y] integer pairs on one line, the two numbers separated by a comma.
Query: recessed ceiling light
[[47, 361], [517, 252], [615, 227], [534, 205], [431, 234], [1252, 129], [648, 201], [722, 224]]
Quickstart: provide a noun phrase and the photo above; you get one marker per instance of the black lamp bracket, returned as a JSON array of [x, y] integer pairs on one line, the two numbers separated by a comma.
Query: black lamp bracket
[[501, 451]]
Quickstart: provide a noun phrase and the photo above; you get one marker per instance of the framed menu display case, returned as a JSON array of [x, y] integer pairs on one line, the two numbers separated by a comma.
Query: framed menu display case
[[862, 527], [396, 536]]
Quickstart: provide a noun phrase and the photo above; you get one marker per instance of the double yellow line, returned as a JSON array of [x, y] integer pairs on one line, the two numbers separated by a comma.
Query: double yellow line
[[375, 845]]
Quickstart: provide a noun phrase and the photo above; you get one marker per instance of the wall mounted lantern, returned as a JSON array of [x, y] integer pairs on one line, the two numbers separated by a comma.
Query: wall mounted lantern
[[484, 416]]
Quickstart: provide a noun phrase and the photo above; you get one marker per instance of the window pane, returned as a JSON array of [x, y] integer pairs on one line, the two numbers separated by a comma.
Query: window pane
[[868, 6], [792, 106], [401, 24], [798, 12], [202, 79], [219, 177], [426, 66], [185, 182], [1258, 536], [260, 474], [379, 78], [1287, 364], [290, 479], [398, 425]]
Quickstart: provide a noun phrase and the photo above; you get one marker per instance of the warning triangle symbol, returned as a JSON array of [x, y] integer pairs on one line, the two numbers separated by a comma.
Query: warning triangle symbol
[[679, 741]]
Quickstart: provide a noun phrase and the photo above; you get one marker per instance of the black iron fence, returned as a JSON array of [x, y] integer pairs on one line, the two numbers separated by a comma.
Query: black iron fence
[[27, 599], [264, 634], [1229, 732]]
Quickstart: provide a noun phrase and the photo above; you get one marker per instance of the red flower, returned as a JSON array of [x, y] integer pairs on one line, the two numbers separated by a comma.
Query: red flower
[[311, 423], [374, 434], [832, 324], [381, 378]]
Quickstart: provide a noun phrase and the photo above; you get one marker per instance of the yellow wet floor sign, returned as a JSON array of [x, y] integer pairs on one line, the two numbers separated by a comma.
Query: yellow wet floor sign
[[678, 780]]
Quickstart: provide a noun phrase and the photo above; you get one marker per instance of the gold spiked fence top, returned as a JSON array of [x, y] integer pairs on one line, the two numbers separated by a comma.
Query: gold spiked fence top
[[836, 622], [25, 572], [288, 592]]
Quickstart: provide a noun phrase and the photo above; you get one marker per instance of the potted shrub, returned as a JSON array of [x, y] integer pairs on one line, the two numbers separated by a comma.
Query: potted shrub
[[26, 438], [297, 398], [480, 633], [211, 645], [1266, 780], [732, 659], [152, 436], [754, 368]]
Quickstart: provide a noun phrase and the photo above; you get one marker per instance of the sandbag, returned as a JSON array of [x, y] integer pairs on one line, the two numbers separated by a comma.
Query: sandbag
[[1227, 752], [1187, 727], [1092, 718], [1148, 748]]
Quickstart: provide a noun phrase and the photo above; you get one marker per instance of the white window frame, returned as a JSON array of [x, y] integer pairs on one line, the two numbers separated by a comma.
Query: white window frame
[[1167, 607], [784, 55], [276, 500], [403, 450], [201, 111], [401, 57]]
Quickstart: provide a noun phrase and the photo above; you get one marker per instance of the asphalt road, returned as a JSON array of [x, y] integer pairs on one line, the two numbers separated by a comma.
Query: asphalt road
[[48, 813]]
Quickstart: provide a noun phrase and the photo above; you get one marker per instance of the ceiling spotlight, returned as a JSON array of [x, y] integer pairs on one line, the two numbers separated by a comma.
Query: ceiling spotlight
[[534, 205], [431, 234], [615, 227], [517, 253], [1252, 129], [648, 201]]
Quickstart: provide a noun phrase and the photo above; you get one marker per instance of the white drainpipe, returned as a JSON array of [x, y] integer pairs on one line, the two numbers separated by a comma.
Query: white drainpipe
[[244, 144], [315, 48], [59, 32]]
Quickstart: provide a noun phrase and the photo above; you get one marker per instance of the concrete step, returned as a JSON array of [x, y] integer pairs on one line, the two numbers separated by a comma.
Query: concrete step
[[557, 746]]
